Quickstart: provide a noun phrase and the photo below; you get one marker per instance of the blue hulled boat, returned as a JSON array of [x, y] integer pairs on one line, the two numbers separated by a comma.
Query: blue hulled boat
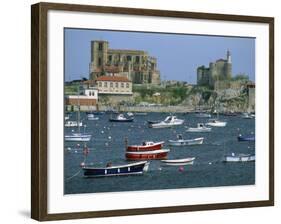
[[244, 138], [121, 170]]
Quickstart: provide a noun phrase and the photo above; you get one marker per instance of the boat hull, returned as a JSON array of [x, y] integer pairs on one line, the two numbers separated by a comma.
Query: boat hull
[[219, 124], [246, 138], [129, 169], [164, 125], [249, 158], [197, 141], [179, 162], [77, 138], [149, 155], [198, 129]]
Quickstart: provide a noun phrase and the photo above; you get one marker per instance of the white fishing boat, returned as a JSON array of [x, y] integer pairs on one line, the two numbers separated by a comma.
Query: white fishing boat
[[247, 116], [170, 121], [216, 123], [92, 117], [73, 124], [179, 162], [182, 142], [239, 158], [78, 136], [200, 128], [130, 114]]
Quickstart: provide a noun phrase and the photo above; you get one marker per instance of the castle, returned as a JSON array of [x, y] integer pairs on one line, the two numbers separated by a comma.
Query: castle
[[219, 70], [136, 65]]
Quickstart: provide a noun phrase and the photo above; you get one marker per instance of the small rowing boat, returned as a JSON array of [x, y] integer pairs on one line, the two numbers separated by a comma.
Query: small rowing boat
[[120, 170], [239, 158], [179, 162], [182, 142]]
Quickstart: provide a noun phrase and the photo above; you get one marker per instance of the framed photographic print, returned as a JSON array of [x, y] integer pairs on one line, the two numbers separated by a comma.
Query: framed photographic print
[[139, 111]]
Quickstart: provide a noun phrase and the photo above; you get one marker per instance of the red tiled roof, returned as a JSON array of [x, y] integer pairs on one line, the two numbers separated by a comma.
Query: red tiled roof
[[113, 78]]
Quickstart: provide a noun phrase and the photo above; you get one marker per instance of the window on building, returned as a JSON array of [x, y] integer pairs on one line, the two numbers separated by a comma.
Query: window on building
[[93, 93], [99, 62], [122, 84], [100, 46], [105, 84], [127, 85], [111, 84], [110, 58], [137, 59], [100, 84], [129, 58], [116, 84]]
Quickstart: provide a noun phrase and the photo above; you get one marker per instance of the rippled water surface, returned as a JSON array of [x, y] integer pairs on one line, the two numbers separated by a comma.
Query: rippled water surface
[[107, 145]]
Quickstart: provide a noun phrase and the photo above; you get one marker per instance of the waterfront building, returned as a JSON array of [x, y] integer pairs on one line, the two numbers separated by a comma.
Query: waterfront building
[[88, 98], [217, 71], [114, 89], [136, 65], [113, 85]]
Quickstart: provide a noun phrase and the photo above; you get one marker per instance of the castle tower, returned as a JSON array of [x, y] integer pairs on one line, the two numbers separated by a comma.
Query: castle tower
[[228, 65], [228, 56], [99, 51]]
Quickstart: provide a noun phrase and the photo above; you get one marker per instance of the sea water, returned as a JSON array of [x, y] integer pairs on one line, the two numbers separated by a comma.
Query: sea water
[[209, 170]]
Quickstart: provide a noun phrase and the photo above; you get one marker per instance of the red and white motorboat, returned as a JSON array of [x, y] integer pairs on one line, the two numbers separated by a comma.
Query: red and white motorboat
[[146, 146], [147, 155]]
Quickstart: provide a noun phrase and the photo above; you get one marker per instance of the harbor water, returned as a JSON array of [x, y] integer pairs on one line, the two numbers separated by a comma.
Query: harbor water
[[209, 170]]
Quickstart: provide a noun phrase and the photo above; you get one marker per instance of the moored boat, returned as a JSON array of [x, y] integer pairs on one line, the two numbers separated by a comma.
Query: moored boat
[[239, 158], [147, 155], [120, 170], [92, 117], [77, 137], [200, 128], [73, 124], [247, 116], [179, 162], [121, 118], [170, 121], [146, 146], [182, 142], [244, 138], [216, 123]]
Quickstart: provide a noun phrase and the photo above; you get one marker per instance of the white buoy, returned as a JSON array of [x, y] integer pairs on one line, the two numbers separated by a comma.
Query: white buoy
[[102, 132], [109, 137]]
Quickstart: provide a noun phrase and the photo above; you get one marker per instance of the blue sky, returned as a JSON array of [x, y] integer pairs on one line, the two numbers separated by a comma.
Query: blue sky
[[178, 55]]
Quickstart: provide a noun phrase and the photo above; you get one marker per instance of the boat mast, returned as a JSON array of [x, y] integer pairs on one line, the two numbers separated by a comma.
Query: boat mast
[[78, 112]]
